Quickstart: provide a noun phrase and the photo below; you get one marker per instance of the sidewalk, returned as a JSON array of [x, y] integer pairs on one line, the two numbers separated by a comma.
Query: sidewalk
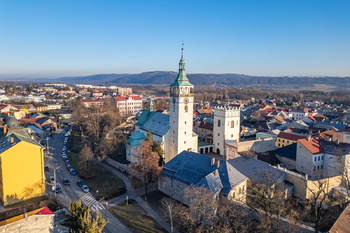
[[135, 194]]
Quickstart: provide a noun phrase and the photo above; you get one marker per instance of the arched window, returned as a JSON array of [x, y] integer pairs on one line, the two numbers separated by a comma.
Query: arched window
[[174, 90], [186, 108], [186, 90], [237, 122], [232, 124], [219, 123]]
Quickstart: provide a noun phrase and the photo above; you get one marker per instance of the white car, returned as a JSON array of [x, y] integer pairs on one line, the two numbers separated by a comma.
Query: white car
[[85, 188], [64, 156], [66, 135]]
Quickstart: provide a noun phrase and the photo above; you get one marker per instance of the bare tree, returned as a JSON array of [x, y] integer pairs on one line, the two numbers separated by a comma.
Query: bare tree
[[85, 157], [169, 210], [267, 194]]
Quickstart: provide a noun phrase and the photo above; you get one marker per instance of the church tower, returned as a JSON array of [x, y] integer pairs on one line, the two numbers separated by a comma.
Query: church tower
[[181, 114], [226, 127]]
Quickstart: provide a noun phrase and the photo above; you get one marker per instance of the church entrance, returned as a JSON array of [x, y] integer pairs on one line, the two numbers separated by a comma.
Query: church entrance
[[218, 151]]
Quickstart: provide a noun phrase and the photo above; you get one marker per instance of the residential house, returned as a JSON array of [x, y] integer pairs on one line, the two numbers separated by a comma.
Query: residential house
[[203, 128], [285, 138], [297, 114], [41, 108], [24, 156]]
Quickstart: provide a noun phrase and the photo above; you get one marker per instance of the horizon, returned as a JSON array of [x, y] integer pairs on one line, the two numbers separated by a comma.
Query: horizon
[[260, 38]]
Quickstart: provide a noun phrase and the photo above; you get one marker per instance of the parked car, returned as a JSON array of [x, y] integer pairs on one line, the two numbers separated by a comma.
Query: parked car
[[66, 181], [66, 135], [69, 167], [64, 148], [67, 162], [64, 156], [73, 172], [63, 151], [58, 188], [85, 188], [46, 168], [80, 183], [52, 179]]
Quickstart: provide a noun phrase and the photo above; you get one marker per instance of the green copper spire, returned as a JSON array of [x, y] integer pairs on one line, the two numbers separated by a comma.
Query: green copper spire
[[181, 79], [151, 105]]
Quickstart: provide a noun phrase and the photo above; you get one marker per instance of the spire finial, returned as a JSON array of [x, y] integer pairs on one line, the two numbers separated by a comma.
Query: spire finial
[[182, 49]]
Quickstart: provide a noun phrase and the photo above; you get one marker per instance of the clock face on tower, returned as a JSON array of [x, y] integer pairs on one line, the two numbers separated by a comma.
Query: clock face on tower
[[186, 101]]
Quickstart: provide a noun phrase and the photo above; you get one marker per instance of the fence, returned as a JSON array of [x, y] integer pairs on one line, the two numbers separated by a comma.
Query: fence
[[124, 168]]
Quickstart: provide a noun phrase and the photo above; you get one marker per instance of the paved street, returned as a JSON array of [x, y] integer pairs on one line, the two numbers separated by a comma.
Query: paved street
[[73, 191]]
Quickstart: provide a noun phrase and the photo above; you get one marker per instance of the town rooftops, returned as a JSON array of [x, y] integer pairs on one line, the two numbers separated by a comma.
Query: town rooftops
[[290, 136], [124, 98], [313, 145]]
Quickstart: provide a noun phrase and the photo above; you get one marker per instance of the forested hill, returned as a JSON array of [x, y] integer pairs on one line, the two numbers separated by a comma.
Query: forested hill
[[228, 79], [164, 77]]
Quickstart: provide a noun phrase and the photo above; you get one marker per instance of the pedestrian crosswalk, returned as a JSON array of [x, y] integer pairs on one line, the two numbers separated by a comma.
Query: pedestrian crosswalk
[[88, 199]]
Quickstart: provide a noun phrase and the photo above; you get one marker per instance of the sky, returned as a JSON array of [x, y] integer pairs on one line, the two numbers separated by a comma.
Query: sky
[[56, 38]]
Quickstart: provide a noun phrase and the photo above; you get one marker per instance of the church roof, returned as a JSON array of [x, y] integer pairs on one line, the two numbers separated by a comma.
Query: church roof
[[145, 116], [134, 140], [158, 124], [194, 168]]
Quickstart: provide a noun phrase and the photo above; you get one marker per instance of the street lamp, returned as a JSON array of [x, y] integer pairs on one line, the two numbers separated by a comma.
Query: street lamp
[[47, 145], [54, 177]]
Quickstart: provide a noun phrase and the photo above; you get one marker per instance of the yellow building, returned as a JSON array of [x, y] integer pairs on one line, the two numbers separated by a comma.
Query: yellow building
[[21, 165], [285, 139]]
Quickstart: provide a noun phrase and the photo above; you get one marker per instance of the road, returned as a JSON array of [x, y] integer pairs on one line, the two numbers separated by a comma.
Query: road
[[73, 192]]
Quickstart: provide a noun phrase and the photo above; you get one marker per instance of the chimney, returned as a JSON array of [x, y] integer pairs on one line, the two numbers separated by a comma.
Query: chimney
[[189, 150], [218, 164], [215, 172], [306, 176], [309, 137], [25, 214], [212, 161], [12, 140]]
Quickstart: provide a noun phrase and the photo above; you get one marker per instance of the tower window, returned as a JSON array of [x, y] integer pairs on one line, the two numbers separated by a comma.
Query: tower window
[[231, 135], [185, 122], [173, 132], [237, 122], [185, 142], [232, 124], [219, 123], [185, 132], [186, 108], [218, 134]]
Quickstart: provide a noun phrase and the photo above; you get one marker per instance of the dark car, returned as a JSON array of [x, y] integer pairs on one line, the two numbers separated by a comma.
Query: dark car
[[46, 168], [80, 183], [58, 188], [67, 162], [69, 167], [73, 172], [66, 181]]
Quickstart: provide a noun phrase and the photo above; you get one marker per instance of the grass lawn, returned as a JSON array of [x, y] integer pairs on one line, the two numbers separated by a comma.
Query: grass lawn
[[134, 217], [107, 183], [153, 200]]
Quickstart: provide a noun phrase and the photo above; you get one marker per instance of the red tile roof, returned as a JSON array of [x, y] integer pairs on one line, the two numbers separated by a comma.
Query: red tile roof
[[124, 98], [28, 120], [314, 145], [45, 210], [290, 136], [204, 125]]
